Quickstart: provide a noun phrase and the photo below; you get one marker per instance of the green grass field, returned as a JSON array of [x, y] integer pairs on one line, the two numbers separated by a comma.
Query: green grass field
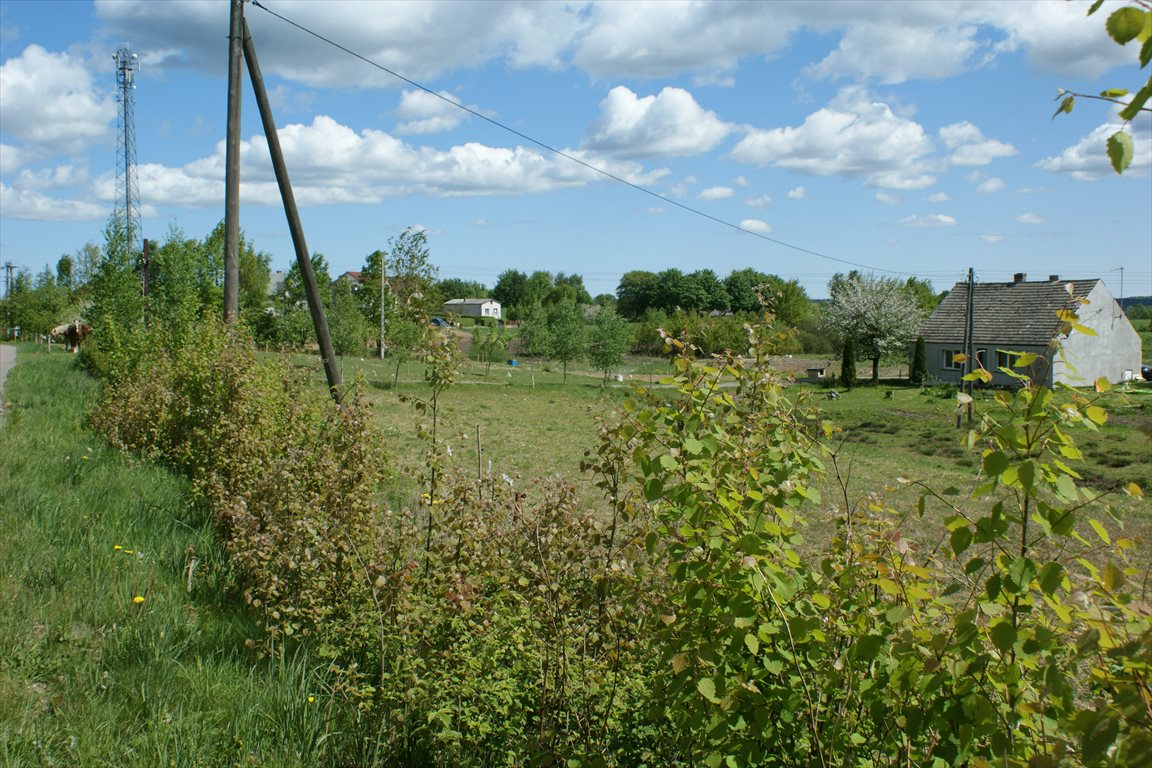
[[534, 427], [119, 642]]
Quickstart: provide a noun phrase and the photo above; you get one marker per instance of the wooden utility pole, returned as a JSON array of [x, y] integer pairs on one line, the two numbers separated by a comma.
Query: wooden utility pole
[[232, 168], [294, 226], [970, 333]]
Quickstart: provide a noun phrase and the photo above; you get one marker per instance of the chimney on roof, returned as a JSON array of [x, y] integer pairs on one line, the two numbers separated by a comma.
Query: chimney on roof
[[1053, 278], [1019, 277]]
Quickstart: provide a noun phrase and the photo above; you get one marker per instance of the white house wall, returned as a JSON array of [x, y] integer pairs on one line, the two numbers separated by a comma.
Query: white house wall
[[1114, 352]]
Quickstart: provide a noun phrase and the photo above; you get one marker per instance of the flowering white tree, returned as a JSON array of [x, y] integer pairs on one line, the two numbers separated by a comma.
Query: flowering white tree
[[879, 313]]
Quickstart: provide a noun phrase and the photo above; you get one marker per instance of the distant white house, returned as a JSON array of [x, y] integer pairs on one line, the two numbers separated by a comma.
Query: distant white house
[[473, 308], [276, 282], [1021, 316]]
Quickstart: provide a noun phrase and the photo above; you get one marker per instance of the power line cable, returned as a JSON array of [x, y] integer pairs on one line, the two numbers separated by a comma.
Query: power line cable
[[570, 157]]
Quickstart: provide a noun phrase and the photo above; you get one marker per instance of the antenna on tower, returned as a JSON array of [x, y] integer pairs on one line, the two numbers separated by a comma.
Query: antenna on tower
[[127, 211]]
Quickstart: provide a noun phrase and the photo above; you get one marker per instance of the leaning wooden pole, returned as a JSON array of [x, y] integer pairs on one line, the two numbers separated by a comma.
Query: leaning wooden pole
[[232, 167], [302, 258]]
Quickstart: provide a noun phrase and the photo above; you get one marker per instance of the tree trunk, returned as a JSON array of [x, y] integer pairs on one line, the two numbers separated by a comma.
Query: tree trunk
[[876, 370]]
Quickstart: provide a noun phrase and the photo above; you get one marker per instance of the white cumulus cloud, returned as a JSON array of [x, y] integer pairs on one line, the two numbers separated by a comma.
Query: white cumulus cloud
[[1029, 218], [855, 135], [425, 112], [51, 103], [796, 193], [668, 124], [756, 225], [1087, 159], [970, 147], [989, 186], [929, 221], [33, 205], [715, 193]]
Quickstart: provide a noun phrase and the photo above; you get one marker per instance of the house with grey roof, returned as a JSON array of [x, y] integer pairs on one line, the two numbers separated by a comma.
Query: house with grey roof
[[1023, 316], [478, 308]]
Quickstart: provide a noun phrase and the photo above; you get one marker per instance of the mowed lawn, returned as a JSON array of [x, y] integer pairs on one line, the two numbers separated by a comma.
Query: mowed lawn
[[892, 439]]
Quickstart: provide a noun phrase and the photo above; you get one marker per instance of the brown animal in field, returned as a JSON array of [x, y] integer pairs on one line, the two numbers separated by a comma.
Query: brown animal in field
[[74, 334]]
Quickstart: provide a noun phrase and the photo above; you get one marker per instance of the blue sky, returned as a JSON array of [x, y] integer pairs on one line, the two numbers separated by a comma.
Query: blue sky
[[911, 138]]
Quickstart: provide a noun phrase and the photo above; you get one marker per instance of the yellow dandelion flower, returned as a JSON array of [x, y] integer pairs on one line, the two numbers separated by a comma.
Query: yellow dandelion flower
[[311, 699], [138, 599], [117, 548]]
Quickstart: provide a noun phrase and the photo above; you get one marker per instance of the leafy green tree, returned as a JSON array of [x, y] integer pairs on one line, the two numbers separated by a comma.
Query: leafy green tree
[[535, 335], [490, 344], [64, 271], [567, 334], [926, 298], [568, 288], [180, 287], [879, 313], [117, 303], [702, 291], [671, 290], [37, 305], [294, 281], [457, 288], [511, 290], [608, 340], [636, 294], [919, 371], [848, 364], [538, 286], [346, 325]]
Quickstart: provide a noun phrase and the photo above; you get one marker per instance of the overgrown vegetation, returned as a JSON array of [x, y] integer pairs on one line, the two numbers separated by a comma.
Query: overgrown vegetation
[[504, 624]]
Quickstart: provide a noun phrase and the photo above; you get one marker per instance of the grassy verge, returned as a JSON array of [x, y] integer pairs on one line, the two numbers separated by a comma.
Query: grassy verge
[[117, 643]]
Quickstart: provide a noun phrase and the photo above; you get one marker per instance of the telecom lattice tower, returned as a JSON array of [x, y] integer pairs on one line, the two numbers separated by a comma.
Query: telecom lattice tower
[[127, 210]]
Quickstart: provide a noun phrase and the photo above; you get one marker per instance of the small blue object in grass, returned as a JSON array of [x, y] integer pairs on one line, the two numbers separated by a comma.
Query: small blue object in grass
[[513, 363]]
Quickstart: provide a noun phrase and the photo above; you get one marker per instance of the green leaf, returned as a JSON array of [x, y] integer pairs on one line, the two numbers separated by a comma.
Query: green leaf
[[1114, 93], [707, 688], [1125, 24], [1066, 488], [1065, 108], [1025, 359], [1095, 7], [1100, 531], [1113, 576], [1051, 577], [1138, 101], [1003, 634], [752, 643], [961, 539], [1022, 571], [1098, 739], [1146, 53], [1097, 414], [669, 463], [1120, 151], [995, 462]]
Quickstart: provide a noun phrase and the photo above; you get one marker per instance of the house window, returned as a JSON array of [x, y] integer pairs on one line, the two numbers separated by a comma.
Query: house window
[[1003, 359], [950, 361], [982, 357]]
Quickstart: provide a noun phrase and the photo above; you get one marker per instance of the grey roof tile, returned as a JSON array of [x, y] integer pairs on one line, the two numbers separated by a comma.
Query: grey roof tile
[[1005, 313]]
